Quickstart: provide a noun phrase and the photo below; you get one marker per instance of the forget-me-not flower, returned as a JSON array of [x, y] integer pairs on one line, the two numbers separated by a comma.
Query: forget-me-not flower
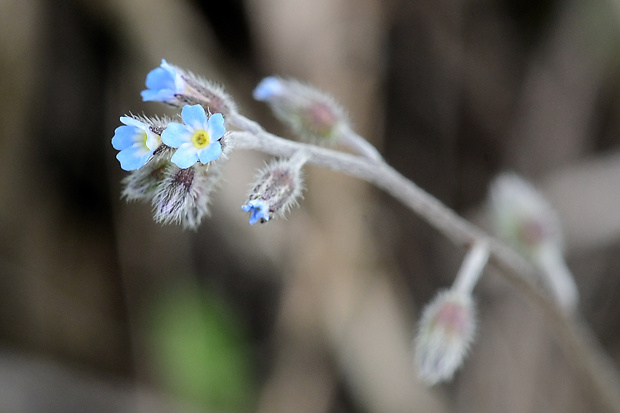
[[259, 210], [136, 143], [163, 83], [198, 139]]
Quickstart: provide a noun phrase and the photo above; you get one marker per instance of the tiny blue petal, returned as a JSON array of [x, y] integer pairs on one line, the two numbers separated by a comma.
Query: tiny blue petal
[[163, 83], [195, 117], [267, 88], [176, 134], [129, 121], [259, 211], [133, 157], [216, 128], [160, 95], [124, 137], [211, 152], [185, 156]]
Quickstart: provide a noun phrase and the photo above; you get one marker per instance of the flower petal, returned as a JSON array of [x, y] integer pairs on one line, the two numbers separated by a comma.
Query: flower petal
[[124, 137], [176, 134], [259, 210], [160, 78], [267, 88], [163, 83], [185, 156], [129, 121], [159, 95], [153, 140], [216, 126], [211, 152], [179, 82], [194, 116], [133, 157]]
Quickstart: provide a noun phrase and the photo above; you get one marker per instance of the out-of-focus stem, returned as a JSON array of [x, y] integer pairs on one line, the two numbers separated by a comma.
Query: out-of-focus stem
[[572, 334], [472, 268]]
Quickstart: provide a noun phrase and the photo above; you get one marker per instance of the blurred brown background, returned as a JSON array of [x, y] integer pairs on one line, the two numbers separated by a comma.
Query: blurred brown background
[[102, 310]]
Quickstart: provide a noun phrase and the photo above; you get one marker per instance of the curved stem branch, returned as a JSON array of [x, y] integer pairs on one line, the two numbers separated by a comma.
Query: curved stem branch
[[572, 334]]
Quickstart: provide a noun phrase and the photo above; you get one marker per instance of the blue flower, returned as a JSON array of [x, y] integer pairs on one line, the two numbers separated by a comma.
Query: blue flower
[[259, 210], [268, 88], [163, 83], [198, 139], [136, 143]]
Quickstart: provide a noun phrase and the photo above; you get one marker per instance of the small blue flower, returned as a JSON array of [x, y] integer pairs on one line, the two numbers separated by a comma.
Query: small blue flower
[[268, 87], [259, 210], [163, 83], [198, 139], [136, 143]]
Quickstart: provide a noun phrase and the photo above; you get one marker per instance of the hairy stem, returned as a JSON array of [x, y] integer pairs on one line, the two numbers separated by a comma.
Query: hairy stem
[[572, 333]]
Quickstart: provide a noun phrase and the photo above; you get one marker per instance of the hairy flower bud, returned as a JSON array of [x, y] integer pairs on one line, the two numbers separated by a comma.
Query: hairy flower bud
[[183, 194], [312, 115], [277, 188], [446, 331], [177, 87], [524, 218]]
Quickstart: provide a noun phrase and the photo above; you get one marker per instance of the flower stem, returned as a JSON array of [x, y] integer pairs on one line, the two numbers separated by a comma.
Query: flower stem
[[472, 268], [572, 334]]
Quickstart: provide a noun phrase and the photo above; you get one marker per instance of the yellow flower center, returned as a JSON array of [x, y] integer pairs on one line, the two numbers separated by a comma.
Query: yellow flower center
[[145, 139], [201, 139]]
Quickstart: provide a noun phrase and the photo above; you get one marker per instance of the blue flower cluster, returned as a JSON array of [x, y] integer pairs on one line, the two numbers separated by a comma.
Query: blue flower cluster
[[172, 163], [195, 140]]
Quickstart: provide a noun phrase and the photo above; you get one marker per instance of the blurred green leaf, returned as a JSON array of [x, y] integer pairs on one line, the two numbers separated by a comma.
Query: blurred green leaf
[[199, 349]]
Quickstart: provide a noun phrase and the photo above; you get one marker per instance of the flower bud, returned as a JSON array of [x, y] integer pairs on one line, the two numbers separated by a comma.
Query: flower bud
[[310, 113], [524, 218], [177, 87], [446, 331], [183, 194], [277, 188]]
